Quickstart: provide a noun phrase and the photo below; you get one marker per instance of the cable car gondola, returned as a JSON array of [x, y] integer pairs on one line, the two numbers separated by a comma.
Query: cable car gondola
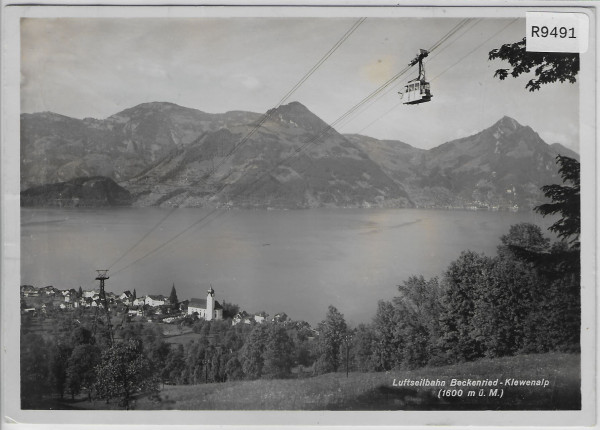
[[417, 90]]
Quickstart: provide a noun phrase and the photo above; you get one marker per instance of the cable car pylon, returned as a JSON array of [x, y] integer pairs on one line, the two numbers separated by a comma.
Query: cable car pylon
[[417, 90], [103, 276]]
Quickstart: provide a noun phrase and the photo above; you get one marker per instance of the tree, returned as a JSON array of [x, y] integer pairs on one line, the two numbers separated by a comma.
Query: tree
[[124, 371], [59, 355], [34, 370], [566, 201], [81, 368], [331, 336], [229, 310], [562, 271], [524, 238], [548, 67], [157, 351], [233, 369], [386, 342], [81, 336], [214, 364], [464, 282], [173, 298], [134, 295], [509, 296], [363, 342], [278, 355], [418, 310], [79, 293], [174, 365], [252, 352]]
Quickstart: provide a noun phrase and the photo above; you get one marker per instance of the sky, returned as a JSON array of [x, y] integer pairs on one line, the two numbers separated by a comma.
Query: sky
[[96, 67]]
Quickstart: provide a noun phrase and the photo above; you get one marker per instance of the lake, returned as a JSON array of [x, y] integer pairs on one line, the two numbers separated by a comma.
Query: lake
[[297, 262]]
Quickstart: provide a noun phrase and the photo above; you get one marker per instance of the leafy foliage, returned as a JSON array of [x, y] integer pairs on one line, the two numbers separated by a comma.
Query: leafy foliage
[[523, 238], [363, 343], [173, 297], [81, 372], [548, 67], [505, 302], [331, 335], [566, 201], [278, 354], [230, 310], [59, 354], [253, 350], [34, 370], [124, 371], [386, 341], [419, 307], [464, 281], [233, 369], [406, 330], [174, 365]]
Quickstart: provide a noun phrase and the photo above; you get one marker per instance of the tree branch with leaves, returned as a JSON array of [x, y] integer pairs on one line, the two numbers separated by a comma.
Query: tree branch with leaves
[[548, 67], [566, 201]]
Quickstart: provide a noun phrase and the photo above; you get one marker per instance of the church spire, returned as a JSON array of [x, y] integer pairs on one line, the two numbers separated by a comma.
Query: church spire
[[210, 304]]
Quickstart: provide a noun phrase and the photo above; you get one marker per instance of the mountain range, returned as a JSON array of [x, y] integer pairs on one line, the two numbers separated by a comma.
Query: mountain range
[[163, 154]]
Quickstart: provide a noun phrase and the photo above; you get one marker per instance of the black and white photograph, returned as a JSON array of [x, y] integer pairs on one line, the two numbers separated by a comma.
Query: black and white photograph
[[300, 209]]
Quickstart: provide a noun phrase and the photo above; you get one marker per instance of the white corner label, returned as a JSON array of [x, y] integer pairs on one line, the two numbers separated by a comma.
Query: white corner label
[[557, 32]]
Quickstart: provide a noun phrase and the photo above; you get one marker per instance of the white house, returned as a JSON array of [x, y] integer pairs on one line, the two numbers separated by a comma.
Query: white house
[[242, 316], [246, 318], [152, 300], [70, 295], [126, 297], [140, 301], [90, 293], [208, 308], [29, 291], [49, 291], [260, 317]]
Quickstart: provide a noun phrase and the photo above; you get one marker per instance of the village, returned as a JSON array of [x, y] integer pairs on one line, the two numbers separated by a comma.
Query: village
[[150, 308]]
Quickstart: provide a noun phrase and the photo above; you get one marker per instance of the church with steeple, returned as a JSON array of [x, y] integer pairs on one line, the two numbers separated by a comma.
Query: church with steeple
[[208, 308]]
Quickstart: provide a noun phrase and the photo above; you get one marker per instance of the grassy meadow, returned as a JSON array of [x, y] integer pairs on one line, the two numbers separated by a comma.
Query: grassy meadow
[[375, 391]]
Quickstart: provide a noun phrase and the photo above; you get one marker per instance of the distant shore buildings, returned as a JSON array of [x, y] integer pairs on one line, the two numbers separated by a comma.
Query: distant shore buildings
[[208, 309]]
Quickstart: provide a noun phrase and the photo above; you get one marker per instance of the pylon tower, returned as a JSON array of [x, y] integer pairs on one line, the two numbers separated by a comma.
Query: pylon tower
[[102, 276]]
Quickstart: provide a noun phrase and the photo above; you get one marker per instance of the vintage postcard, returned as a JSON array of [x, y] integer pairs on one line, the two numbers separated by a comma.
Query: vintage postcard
[[342, 215]]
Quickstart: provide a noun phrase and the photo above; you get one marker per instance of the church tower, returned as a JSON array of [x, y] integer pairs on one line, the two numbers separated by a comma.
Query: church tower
[[210, 304]]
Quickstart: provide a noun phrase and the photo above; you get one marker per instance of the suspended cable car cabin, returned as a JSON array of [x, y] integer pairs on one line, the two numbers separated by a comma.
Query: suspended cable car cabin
[[417, 90]]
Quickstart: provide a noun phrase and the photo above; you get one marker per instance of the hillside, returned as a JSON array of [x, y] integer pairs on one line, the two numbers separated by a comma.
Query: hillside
[[57, 148], [278, 165], [168, 155], [376, 391], [501, 167], [79, 192]]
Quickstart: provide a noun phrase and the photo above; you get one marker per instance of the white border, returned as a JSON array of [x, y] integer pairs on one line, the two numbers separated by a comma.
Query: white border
[[9, 218]]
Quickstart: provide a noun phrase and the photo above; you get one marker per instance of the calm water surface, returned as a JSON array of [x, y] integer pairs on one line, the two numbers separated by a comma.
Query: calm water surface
[[296, 262]]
